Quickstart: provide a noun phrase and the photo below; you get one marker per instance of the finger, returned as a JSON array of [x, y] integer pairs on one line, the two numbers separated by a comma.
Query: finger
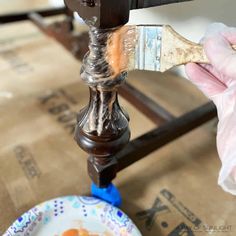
[[230, 35], [214, 29], [220, 76], [221, 55], [205, 81]]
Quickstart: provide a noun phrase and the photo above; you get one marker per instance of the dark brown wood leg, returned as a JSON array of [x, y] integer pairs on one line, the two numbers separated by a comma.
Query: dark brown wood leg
[[102, 128], [12, 17], [102, 131]]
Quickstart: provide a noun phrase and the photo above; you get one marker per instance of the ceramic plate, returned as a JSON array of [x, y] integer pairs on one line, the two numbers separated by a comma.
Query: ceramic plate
[[73, 216]]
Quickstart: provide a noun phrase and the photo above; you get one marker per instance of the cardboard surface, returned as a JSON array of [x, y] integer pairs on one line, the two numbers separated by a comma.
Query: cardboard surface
[[172, 190], [17, 6]]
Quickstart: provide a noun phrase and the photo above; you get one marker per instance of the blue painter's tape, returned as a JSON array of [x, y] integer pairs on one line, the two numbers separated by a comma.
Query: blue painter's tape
[[110, 194]]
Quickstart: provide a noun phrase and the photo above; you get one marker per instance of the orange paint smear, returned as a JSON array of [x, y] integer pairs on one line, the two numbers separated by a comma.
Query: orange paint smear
[[71, 232], [76, 232], [121, 45]]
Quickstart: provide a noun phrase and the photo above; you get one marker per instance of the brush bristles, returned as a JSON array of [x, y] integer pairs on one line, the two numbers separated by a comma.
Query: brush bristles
[[121, 49]]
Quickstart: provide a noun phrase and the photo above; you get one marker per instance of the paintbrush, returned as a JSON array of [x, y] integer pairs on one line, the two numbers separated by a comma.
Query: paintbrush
[[151, 47]]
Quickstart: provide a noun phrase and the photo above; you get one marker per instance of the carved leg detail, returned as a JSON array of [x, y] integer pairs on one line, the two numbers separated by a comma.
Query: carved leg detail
[[102, 128]]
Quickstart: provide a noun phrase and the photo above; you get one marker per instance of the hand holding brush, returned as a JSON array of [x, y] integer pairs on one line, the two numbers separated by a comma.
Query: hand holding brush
[[218, 82]]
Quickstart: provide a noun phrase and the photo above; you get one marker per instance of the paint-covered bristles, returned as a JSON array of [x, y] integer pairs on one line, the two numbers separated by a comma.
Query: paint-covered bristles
[[121, 49]]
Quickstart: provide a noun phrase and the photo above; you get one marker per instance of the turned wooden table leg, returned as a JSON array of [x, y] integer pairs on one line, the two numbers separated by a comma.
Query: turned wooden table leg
[[102, 128]]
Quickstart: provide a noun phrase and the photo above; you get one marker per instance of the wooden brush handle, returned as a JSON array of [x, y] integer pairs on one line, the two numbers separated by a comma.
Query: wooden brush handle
[[176, 50]]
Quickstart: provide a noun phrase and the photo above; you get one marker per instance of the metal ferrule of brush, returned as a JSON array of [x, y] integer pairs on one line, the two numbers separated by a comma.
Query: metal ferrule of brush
[[148, 47]]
